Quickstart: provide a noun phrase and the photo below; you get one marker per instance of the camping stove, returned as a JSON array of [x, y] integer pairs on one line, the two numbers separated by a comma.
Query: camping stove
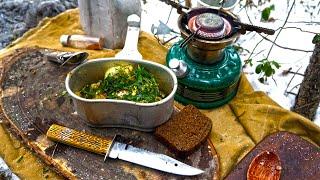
[[207, 67]]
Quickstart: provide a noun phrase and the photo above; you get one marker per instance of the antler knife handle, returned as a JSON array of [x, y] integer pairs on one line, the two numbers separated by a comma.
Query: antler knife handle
[[79, 139]]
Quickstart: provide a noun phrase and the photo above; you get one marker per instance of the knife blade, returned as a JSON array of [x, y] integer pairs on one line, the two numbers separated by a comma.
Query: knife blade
[[111, 148]]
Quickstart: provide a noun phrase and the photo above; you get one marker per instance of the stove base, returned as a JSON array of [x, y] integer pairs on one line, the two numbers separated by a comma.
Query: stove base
[[206, 105], [205, 85]]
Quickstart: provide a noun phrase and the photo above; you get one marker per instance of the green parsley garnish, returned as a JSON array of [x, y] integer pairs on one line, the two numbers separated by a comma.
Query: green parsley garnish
[[127, 82]]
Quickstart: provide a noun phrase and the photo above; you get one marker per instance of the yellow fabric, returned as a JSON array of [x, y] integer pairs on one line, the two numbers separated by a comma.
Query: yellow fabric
[[237, 126]]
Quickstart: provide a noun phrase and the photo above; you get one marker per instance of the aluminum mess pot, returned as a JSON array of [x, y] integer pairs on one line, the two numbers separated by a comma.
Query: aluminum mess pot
[[121, 113]]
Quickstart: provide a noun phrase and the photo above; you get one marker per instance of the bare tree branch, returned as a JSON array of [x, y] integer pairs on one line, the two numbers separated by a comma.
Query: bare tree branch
[[255, 48], [311, 32], [292, 93], [294, 87], [296, 73], [285, 22], [292, 79], [284, 47], [256, 54], [275, 82], [273, 42], [304, 22]]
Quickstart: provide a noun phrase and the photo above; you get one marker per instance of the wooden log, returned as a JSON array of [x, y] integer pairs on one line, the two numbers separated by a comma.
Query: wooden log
[[308, 98], [108, 19]]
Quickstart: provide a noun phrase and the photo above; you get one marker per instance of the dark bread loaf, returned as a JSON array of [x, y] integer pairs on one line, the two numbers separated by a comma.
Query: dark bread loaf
[[185, 131]]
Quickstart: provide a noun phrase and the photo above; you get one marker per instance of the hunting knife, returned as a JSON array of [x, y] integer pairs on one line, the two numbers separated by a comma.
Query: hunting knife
[[117, 150]]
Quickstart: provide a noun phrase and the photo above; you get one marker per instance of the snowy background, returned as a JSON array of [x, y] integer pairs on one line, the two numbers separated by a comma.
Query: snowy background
[[305, 16]]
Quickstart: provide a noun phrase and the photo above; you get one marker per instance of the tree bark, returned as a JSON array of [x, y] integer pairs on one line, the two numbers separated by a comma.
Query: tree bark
[[308, 98]]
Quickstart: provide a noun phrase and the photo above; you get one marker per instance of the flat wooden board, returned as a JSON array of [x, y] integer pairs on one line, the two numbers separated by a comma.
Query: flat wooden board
[[299, 158], [34, 97]]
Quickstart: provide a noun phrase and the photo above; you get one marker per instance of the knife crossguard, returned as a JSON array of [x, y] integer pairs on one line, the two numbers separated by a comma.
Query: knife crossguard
[[78, 139]]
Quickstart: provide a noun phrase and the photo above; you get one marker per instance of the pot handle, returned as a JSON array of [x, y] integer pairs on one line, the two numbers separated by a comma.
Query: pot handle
[[130, 49]]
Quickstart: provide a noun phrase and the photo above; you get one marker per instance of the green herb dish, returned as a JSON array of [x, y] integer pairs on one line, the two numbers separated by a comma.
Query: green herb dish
[[125, 82], [106, 112]]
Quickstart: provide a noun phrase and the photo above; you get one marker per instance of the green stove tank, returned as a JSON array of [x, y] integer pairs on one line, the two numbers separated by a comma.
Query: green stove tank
[[205, 85]]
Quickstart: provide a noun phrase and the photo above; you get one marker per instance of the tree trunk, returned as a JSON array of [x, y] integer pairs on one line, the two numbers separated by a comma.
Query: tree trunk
[[308, 98]]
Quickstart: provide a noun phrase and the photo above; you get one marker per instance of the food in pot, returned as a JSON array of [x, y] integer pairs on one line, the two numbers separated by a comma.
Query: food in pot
[[125, 82]]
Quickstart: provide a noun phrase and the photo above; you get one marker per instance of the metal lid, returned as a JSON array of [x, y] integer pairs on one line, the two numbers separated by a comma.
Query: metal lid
[[211, 26], [210, 22], [179, 67], [64, 39]]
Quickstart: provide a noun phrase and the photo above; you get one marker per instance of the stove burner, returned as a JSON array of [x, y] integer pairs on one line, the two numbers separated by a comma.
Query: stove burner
[[212, 26], [210, 22]]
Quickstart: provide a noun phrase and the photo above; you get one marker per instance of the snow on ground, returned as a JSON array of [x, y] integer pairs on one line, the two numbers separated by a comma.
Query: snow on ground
[[155, 10]]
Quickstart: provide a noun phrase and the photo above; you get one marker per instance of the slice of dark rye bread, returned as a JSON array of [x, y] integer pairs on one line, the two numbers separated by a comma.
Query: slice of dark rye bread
[[185, 131]]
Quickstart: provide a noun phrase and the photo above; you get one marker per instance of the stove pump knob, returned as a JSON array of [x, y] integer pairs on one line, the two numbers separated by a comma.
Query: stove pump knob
[[179, 67]]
